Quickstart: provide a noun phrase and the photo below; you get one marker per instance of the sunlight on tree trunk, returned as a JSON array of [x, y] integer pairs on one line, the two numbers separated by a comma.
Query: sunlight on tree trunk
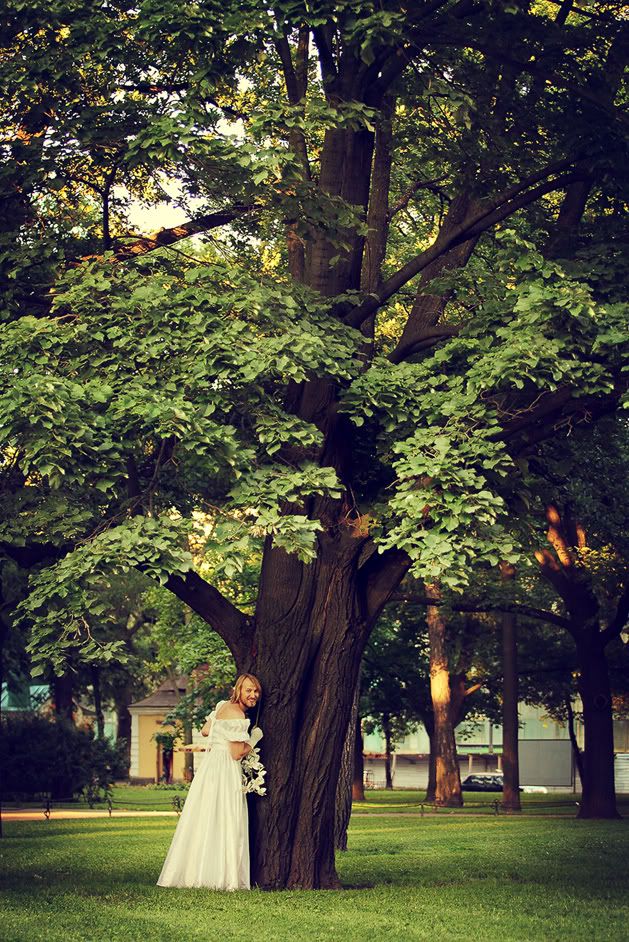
[[447, 775]]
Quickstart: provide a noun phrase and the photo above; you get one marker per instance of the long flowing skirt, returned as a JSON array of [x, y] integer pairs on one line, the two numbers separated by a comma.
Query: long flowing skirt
[[210, 846]]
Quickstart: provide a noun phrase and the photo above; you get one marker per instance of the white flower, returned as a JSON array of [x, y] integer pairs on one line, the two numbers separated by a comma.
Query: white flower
[[253, 773]]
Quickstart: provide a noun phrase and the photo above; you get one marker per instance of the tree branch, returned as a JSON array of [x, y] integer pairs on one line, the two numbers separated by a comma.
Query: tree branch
[[502, 205], [379, 577], [552, 78], [429, 337], [156, 88], [554, 408], [481, 607], [229, 622], [326, 57], [176, 233], [619, 621], [431, 185]]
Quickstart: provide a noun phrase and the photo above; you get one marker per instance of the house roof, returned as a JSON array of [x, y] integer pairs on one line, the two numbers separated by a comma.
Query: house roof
[[164, 698]]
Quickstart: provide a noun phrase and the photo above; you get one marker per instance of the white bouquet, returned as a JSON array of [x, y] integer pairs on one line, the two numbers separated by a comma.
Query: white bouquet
[[253, 773]]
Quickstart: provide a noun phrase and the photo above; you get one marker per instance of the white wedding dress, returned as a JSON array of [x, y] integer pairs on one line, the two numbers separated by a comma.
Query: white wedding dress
[[210, 847]]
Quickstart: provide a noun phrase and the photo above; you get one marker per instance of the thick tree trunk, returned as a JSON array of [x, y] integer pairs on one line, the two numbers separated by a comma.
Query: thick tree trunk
[[345, 172], [599, 797], [510, 756], [344, 785], [311, 622], [358, 785], [448, 779], [386, 728], [309, 638]]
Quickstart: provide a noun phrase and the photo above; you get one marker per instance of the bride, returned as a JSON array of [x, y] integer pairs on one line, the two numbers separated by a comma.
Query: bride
[[210, 847]]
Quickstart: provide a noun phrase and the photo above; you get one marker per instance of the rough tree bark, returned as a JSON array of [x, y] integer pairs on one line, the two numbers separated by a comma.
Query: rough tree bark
[[447, 775], [308, 652], [598, 799], [344, 787], [573, 585]]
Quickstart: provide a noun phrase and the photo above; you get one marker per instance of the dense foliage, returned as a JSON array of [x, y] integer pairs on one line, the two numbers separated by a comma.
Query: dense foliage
[[44, 758]]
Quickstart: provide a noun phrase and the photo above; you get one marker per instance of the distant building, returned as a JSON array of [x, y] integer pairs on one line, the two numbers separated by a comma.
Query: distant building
[[147, 718], [544, 747]]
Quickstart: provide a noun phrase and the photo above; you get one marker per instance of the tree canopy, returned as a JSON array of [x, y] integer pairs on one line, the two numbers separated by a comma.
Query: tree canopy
[[405, 277]]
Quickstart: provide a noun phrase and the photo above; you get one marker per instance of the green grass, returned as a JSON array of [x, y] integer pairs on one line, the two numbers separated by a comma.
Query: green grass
[[407, 878]]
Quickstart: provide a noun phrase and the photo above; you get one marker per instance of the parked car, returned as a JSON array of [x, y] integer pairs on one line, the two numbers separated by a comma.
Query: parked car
[[483, 782]]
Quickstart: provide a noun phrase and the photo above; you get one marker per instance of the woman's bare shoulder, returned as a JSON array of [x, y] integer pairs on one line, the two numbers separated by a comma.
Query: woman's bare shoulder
[[230, 711]]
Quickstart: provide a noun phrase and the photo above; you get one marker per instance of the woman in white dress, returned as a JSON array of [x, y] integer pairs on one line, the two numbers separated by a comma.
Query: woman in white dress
[[210, 847]]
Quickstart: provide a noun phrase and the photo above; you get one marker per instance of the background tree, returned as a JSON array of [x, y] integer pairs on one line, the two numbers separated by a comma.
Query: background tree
[[391, 684]]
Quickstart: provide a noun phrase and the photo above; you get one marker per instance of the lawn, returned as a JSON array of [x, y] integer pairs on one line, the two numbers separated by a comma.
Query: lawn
[[439, 878]]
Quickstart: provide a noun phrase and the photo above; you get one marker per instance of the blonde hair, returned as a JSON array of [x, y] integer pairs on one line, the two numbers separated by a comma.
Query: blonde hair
[[240, 682]]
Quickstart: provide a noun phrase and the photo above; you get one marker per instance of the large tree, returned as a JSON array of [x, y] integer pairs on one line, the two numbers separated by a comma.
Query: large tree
[[281, 374]]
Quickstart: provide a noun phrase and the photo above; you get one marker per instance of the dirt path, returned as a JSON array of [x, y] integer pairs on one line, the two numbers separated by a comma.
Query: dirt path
[[69, 815]]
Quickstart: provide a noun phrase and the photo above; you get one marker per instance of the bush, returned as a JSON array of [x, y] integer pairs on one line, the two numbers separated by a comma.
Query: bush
[[51, 757]]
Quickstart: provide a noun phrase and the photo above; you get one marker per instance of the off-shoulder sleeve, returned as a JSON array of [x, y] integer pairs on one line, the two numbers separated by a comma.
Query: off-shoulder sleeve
[[236, 730], [212, 716]]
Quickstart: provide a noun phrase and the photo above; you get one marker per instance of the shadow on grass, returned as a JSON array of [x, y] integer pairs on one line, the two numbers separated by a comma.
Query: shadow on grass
[[99, 857]]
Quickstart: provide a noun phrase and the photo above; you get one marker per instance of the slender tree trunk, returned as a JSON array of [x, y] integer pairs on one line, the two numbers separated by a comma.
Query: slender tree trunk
[[448, 778], [378, 215], [358, 786], [63, 690], [4, 631], [510, 757], [431, 788], [122, 699], [98, 702], [599, 797], [346, 778], [188, 758], [576, 752], [386, 728], [428, 308]]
